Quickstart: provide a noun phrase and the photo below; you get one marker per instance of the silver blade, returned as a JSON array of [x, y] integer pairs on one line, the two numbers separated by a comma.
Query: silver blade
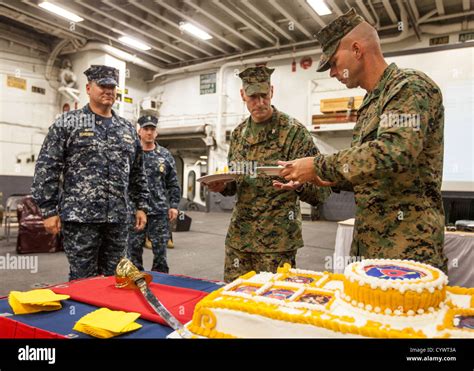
[[161, 310]]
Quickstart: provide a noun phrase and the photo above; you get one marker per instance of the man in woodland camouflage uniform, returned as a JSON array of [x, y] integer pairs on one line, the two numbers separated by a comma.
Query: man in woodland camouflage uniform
[[265, 229], [395, 163]]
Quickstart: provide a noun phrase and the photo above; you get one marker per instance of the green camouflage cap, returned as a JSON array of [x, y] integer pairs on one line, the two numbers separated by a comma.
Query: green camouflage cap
[[256, 80], [331, 35], [102, 75]]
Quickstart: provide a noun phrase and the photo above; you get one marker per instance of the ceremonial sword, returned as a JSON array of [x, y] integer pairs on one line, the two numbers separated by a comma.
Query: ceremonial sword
[[127, 276]]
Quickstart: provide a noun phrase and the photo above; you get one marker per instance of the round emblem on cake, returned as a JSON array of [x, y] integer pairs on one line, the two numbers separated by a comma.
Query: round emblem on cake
[[299, 279], [393, 286], [393, 272]]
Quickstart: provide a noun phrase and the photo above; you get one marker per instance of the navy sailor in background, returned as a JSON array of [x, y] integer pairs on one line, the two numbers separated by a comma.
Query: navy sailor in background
[[165, 195], [90, 163]]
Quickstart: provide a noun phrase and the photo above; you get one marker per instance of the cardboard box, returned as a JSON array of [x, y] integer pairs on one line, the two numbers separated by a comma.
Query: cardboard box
[[334, 118], [340, 104]]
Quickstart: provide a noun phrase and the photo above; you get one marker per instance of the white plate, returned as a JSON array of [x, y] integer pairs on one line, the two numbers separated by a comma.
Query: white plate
[[217, 178], [269, 170]]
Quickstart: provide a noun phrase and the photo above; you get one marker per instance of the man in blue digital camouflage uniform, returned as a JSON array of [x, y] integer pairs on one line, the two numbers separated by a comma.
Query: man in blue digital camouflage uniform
[[90, 163], [165, 194]]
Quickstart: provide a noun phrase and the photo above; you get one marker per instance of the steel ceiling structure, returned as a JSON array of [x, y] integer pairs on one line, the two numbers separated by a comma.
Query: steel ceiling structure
[[238, 27]]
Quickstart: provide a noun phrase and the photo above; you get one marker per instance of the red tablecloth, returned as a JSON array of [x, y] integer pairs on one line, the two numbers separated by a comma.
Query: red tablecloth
[[101, 292]]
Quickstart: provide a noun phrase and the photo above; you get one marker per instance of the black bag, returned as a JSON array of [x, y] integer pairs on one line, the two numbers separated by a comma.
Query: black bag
[[182, 223]]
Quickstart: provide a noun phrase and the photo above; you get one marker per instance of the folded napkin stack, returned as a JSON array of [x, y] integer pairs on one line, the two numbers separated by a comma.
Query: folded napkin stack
[[104, 323], [35, 301]]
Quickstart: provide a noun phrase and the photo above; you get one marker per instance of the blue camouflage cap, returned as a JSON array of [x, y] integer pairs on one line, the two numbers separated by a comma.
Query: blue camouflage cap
[[102, 75], [148, 121]]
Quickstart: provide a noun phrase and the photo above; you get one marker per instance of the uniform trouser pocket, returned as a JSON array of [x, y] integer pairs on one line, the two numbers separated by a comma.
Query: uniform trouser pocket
[[94, 248]]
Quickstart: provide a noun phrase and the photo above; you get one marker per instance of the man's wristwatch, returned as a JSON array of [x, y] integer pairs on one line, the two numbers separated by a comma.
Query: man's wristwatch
[[299, 189]]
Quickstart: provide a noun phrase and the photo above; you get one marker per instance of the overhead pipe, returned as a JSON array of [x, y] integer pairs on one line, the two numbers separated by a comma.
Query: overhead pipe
[[334, 7], [405, 33], [241, 19], [125, 56], [365, 11], [312, 13], [209, 64], [17, 14], [130, 26], [415, 9], [166, 20], [270, 34], [412, 19], [269, 21], [445, 17], [427, 16], [190, 19], [447, 29], [388, 9], [52, 58], [108, 37], [374, 13], [26, 42], [288, 16]]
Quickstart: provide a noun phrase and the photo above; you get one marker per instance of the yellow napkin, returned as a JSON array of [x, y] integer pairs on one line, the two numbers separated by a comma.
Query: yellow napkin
[[104, 323], [35, 301]]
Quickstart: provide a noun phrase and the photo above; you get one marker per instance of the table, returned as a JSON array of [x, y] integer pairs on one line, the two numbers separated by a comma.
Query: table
[[344, 232], [458, 247], [59, 324]]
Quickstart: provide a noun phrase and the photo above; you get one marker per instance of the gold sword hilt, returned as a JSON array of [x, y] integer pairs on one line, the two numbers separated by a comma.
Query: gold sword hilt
[[127, 275]]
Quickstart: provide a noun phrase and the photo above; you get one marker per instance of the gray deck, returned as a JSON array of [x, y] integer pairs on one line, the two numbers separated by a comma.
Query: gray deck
[[197, 253]]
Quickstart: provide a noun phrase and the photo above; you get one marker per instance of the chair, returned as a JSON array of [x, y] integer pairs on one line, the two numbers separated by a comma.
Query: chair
[[10, 215], [32, 236]]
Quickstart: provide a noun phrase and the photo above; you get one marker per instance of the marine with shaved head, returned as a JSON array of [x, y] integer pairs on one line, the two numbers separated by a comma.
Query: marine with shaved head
[[395, 162]]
